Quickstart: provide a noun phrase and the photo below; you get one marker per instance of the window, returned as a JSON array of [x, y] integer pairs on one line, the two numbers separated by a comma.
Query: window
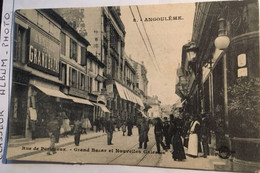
[[74, 78], [98, 86], [90, 65], [83, 56], [20, 44], [63, 73], [40, 20], [90, 84], [82, 82], [63, 43], [73, 49], [242, 65]]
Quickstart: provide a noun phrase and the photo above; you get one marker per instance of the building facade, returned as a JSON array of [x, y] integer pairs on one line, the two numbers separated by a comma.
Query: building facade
[[49, 73], [106, 33], [141, 81], [219, 79], [155, 110]]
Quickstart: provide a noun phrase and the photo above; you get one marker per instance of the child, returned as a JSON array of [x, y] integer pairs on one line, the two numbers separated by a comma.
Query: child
[[124, 128]]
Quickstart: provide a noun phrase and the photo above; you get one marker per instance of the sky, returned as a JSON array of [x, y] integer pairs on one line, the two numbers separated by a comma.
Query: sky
[[167, 39]]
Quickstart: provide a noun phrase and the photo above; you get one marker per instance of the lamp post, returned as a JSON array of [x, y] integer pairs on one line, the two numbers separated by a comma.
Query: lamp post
[[191, 52], [222, 42]]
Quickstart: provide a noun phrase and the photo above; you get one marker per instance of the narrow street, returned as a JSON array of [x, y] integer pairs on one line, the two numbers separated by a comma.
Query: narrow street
[[124, 151]]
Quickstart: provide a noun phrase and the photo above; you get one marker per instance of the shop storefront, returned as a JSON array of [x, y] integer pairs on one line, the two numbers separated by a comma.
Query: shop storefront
[[127, 103], [19, 104]]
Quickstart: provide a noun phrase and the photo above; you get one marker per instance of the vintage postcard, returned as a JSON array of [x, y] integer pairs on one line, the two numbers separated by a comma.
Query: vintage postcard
[[171, 85]]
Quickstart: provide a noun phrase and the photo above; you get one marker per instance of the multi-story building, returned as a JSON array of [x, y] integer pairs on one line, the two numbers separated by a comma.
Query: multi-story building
[[155, 110], [141, 81], [49, 73], [106, 33], [224, 76], [95, 71]]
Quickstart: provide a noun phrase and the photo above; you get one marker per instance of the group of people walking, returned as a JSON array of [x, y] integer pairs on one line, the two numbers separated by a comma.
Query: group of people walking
[[193, 135], [175, 133], [61, 126]]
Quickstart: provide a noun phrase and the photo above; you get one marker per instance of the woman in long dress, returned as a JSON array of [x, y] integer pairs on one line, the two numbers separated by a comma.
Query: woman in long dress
[[194, 138], [178, 150]]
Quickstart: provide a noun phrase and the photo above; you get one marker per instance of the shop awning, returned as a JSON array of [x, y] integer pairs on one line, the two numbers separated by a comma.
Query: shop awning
[[143, 114], [126, 94], [52, 92], [80, 100], [103, 107], [139, 101], [121, 91]]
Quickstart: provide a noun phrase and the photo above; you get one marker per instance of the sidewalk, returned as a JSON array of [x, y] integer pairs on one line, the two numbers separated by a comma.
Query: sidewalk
[[200, 163], [14, 153]]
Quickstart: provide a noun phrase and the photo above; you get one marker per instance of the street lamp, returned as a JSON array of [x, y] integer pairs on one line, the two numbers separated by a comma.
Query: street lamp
[[222, 41], [191, 51]]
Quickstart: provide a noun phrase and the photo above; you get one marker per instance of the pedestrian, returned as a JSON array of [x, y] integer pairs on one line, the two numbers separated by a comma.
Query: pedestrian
[[205, 132], [170, 130], [102, 124], [109, 130], [158, 132], [33, 121], [166, 134], [85, 124], [178, 149], [124, 128], [118, 124], [193, 144], [52, 128], [65, 127], [57, 133], [129, 127], [77, 131], [97, 123], [143, 135]]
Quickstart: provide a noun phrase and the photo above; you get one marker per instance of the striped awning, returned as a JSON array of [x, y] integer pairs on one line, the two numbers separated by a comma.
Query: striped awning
[[126, 94], [103, 107], [52, 92], [80, 100]]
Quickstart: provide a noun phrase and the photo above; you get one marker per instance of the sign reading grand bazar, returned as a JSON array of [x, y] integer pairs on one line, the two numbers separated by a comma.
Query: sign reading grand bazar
[[89, 85]]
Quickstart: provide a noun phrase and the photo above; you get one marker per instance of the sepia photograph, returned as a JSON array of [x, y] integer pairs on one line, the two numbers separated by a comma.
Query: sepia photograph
[[172, 85]]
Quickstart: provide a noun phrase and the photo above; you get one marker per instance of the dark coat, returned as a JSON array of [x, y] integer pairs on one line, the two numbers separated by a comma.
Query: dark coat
[[166, 127], [143, 135], [77, 127], [109, 126], [158, 131], [53, 126], [178, 150]]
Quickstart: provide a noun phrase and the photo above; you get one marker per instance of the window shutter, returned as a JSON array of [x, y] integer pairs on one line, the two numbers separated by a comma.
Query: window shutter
[[71, 49], [83, 56], [16, 49], [75, 51], [86, 83], [70, 76], [60, 71], [79, 80]]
